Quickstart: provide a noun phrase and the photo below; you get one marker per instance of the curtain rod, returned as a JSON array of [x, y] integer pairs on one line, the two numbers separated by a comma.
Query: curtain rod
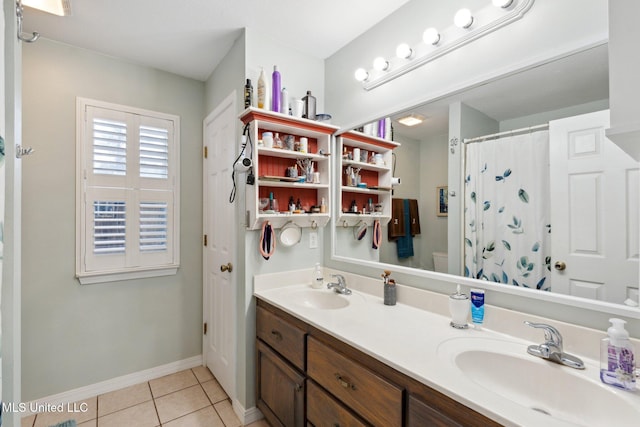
[[509, 132]]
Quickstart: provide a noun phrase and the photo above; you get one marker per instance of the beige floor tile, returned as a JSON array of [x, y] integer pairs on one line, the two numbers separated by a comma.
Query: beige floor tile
[[141, 415], [180, 403], [80, 411], [259, 423], [123, 398], [215, 391], [225, 411], [91, 423], [202, 373], [174, 382], [28, 421], [207, 417]]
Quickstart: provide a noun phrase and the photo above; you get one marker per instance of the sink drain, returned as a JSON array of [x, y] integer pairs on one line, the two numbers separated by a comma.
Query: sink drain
[[541, 411]]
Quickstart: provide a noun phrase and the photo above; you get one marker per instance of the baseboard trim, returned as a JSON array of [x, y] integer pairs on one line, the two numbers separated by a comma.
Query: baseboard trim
[[246, 416], [117, 383]]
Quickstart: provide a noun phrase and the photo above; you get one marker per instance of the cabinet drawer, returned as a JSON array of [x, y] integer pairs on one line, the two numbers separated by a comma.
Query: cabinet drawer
[[374, 398], [286, 339], [324, 411]]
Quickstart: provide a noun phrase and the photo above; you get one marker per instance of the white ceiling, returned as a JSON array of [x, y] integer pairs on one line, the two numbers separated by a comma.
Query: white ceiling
[[190, 37]]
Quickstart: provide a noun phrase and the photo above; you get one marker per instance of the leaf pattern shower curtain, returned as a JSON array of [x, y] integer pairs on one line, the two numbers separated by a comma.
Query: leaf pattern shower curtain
[[507, 231]]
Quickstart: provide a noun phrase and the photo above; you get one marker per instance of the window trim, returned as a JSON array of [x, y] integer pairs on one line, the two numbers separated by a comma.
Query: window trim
[[125, 273]]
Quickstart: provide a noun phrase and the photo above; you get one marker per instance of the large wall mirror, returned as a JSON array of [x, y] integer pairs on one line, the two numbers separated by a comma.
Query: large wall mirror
[[458, 210]]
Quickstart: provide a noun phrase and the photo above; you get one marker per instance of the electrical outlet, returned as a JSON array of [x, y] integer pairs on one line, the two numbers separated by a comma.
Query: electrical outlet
[[313, 239]]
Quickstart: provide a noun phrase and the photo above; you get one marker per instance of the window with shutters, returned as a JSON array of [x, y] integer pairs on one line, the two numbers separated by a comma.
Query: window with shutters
[[127, 192]]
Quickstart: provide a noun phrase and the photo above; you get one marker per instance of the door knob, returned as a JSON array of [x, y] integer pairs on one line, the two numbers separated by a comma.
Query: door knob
[[226, 267], [560, 265]]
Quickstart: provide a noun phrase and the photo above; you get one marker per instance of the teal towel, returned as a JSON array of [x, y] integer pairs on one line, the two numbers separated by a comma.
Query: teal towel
[[70, 423], [405, 243]]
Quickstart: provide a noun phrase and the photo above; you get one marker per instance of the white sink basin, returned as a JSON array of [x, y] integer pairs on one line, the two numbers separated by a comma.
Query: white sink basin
[[318, 299], [566, 394]]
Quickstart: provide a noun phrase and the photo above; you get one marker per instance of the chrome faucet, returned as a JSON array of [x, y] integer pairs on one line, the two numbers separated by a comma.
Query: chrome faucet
[[341, 286], [551, 349]]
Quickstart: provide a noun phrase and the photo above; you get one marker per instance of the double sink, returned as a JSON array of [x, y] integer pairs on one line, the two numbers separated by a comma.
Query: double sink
[[491, 364]]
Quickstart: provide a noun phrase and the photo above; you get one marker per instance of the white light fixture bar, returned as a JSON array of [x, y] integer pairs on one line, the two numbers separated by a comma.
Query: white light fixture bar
[[472, 34]]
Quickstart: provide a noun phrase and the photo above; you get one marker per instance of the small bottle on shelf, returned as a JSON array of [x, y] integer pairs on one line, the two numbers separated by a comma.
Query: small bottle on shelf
[[277, 142]]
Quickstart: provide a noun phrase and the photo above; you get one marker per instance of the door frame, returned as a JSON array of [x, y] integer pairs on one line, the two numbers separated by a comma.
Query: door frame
[[12, 194]]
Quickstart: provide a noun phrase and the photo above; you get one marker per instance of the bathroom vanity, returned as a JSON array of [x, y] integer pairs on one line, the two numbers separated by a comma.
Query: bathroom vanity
[[343, 385], [324, 359]]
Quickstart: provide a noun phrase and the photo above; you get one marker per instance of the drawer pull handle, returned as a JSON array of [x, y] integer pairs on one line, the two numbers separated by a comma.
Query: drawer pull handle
[[298, 387], [277, 335], [344, 382]]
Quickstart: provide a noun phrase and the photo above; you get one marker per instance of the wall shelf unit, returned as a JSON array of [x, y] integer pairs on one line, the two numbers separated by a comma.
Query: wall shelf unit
[[375, 178], [270, 170]]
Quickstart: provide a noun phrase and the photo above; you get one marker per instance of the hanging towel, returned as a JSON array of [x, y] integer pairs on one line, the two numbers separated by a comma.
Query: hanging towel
[[414, 216], [405, 243], [396, 225]]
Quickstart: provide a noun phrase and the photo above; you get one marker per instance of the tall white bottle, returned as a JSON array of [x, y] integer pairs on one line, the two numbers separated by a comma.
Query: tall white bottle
[[317, 280], [263, 91]]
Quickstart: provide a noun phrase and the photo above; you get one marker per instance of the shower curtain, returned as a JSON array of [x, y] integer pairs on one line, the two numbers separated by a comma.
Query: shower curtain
[[507, 230]]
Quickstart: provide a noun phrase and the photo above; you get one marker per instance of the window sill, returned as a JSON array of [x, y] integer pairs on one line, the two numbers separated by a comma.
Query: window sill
[[93, 278]]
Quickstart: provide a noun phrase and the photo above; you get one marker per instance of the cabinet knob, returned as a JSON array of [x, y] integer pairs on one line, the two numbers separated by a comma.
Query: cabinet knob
[[344, 382], [277, 335]]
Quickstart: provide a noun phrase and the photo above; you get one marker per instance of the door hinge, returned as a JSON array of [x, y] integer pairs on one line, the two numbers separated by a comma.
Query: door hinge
[[204, 328], [206, 152], [205, 240]]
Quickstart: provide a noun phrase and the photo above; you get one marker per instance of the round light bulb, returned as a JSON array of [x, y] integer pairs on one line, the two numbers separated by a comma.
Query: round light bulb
[[361, 74], [380, 64], [502, 3], [431, 36], [403, 51], [463, 18]]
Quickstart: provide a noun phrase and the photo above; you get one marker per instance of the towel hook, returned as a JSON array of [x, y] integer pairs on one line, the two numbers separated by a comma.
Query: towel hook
[[34, 36]]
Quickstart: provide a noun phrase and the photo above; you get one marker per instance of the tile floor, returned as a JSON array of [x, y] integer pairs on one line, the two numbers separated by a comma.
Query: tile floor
[[190, 398]]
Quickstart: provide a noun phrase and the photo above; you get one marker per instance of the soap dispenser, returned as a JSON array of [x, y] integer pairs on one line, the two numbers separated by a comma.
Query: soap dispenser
[[459, 306], [317, 280], [617, 364]]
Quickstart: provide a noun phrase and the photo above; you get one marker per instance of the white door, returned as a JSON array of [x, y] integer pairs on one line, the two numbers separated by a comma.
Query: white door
[[594, 207], [219, 297]]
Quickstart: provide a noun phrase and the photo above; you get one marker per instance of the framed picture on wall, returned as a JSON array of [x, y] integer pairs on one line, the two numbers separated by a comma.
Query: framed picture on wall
[[442, 201]]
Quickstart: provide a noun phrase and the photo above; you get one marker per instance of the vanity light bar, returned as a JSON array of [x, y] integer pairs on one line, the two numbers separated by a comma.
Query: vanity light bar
[[462, 33]]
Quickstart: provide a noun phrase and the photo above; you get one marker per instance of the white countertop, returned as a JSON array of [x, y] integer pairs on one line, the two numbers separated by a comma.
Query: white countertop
[[407, 336]]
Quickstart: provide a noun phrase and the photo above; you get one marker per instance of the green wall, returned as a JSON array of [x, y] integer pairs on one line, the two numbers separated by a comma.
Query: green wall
[[75, 335]]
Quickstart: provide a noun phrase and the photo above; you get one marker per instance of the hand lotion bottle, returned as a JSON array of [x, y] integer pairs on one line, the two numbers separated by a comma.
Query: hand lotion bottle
[[617, 364]]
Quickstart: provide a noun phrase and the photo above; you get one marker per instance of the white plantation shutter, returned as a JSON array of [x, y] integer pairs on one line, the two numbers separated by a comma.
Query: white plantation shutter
[[154, 153], [109, 147], [127, 192]]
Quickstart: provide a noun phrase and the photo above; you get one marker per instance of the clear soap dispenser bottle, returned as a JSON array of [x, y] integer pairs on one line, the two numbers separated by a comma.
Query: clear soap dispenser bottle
[[317, 280], [459, 306], [617, 361]]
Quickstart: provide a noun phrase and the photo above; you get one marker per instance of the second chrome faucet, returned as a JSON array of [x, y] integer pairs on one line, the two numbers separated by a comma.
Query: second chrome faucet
[[341, 285], [551, 349]]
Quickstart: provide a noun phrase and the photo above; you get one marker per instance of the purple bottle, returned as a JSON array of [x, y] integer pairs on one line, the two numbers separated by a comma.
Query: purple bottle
[[276, 90], [381, 129]]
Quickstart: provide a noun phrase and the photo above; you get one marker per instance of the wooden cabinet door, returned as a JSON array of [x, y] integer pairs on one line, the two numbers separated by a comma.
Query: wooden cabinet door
[[280, 389]]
